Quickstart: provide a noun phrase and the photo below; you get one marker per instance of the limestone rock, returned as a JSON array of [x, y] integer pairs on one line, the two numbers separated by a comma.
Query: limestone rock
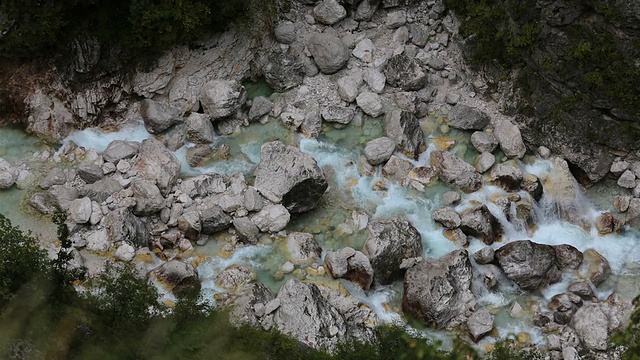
[[455, 171], [378, 151], [80, 210], [480, 324], [337, 114], [404, 72], [303, 248], [329, 12], [221, 98], [285, 32], [528, 264], [510, 139], [287, 175], [364, 50], [272, 218], [447, 217], [328, 51], [100, 190], [508, 175], [260, 107], [199, 128], [404, 129], [149, 200], [484, 256], [8, 174], [122, 225], [120, 149], [484, 162], [284, 71], [178, 276], [190, 224], [390, 242], [375, 80], [350, 264], [157, 164], [246, 229], [479, 222], [592, 327], [214, 219], [235, 276], [483, 141], [597, 267], [467, 118], [157, 116], [627, 180], [568, 256], [90, 173], [370, 103]]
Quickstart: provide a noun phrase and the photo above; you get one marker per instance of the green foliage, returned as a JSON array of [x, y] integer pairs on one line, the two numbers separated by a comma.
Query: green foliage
[[630, 337], [22, 262]]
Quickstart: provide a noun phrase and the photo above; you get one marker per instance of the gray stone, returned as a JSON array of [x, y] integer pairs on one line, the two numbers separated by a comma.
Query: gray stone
[[396, 168], [446, 217], [484, 162], [284, 71], [467, 118], [592, 327], [328, 51], [120, 149], [272, 218], [438, 292], [348, 88], [375, 80], [252, 199], [484, 256], [455, 171], [247, 231], [619, 166], [390, 242], [621, 202], [450, 198], [157, 164], [627, 180], [364, 50], [123, 226], [337, 114], [214, 219], [90, 173], [287, 175], [484, 141], [285, 32], [178, 276], [507, 175], [100, 190], [62, 196], [149, 200], [395, 19], [157, 116], [260, 107], [303, 248], [80, 210], [597, 267], [480, 223], [404, 129], [366, 9], [404, 72], [510, 139], [190, 224], [530, 265], [221, 98], [235, 276], [56, 176], [378, 151], [568, 256], [124, 252], [480, 324], [337, 262], [329, 12], [544, 152], [370, 103], [199, 128]]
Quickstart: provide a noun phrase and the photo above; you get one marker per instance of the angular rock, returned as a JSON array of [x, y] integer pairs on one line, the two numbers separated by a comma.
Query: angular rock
[[568, 256], [592, 327], [348, 88], [90, 173], [199, 128], [531, 184], [56, 176], [329, 12], [100, 190], [597, 267], [438, 292], [621, 202], [450, 198], [390, 242], [157, 116], [235, 276], [221, 98], [260, 107], [366, 9], [80, 210], [627, 180], [190, 224], [446, 217], [123, 226], [149, 200], [284, 71], [508, 175], [404, 129], [214, 219], [157, 164], [337, 114], [364, 50], [607, 224], [178, 276], [404, 72], [456, 171], [484, 162], [378, 151], [303, 248], [287, 175], [480, 324], [375, 80], [328, 51], [456, 236], [246, 229], [484, 141], [528, 264], [285, 32], [619, 166], [582, 289], [272, 218], [467, 118], [370, 103], [396, 168], [480, 223], [124, 252], [62, 196], [484, 256], [120, 149], [510, 139]]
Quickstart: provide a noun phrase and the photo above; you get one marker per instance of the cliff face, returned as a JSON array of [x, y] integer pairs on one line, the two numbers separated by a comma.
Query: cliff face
[[576, 72]]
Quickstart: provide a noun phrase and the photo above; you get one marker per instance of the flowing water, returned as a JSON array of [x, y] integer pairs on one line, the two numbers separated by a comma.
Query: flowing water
[[354, 189]]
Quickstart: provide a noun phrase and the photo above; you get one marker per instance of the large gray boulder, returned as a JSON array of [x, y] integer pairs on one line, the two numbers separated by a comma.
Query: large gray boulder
[[8, 174], [480, 324], [122, 225], [260, 106], [349, 264], [591, 324], [120, 149], [405, 73], [455, 171], [272, 218], [301, 311], [390, 242], [158, 116], [530, 265], [199, 128], [438, 292], [100, 190], [370, 103], [480, 223], [80, 210], [249, 298], [149, 200], [507, 175], [214, 219], [221, 98], [510, 139], [284, 71], [329, 12], [328, 51], [467, 118], [404, 128], [157, 164], [288, 176], [483, 141], [378, 151], [285, 32], [446, 217], [177, 276], [302, 248], [90, 173], [337, 114]]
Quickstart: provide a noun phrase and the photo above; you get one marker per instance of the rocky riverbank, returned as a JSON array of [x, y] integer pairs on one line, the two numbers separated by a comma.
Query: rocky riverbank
[[448, 199]]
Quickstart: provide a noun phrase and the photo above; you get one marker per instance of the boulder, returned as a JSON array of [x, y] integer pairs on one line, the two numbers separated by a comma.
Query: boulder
[[49, 118], [158, 116], [350, 264], [480, 324], [287, 175], [260, 106], [370, 103], [390, 242], [149, 200], [122, 225], [364, 50], [597, 268], [8, 174], [328, 51], [284, 71], [396, 168], [285, 32], [484, 256], [484, 162], [252, 199], [272, 218], [329, 12], [531, 184], [348, 87], [177, 276], [446, 217], [404, 129], [157, 164], [247, 231], [507, 175], [56, 176], [621, 203], [467, 118], [249, 304], [303, 248], [301, 311], [378, 151], [214, 219], [199, 128], [221, 98], [120, 149], [627, 180], [90, 173], [450, 198], [375, 80], [480, 223], [404, 72], [483, 141], [510, 139], [190, 224], [607, 224], [456, 236], [80, 210], [235, 276], [100, 190], [591, 324], [530, 265], [61, 196], [337, 114], [203, 185], [124, 252], [366, 9], [568, 256], [455, 171], [438, 292]]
